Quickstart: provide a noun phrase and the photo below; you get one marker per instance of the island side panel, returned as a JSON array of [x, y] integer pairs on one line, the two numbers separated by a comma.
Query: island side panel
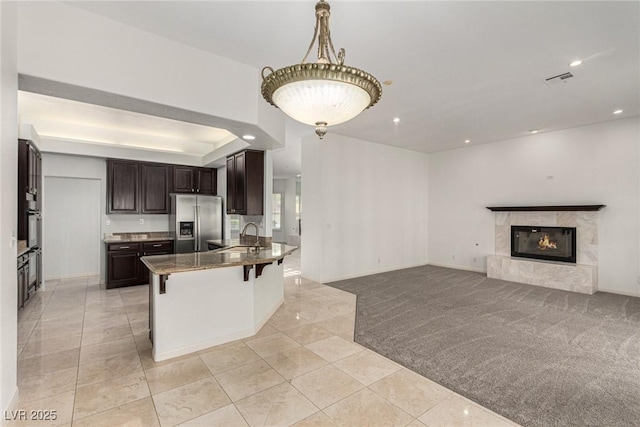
[[268, 293], [200, 309]]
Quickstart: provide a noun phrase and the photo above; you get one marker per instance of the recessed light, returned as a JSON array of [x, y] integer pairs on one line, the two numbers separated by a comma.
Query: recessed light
[[298, 175], [575, 63], [248, 137], [396, 120], [466, 141], [534, 131], [618, 112]]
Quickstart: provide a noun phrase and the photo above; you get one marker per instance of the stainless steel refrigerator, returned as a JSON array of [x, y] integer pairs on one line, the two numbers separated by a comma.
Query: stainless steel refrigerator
[[194, 220]]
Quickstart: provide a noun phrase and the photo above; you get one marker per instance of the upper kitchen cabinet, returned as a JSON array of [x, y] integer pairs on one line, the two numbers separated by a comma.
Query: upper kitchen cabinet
[[123, 187], [188, 179], [29, 165], [29, 178], [183, 179], [137, 188], [154, 179], [245, 183], [207, 181]]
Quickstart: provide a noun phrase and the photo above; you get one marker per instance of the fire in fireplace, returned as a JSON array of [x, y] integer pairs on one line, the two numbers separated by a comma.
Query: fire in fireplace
[[546, 243]]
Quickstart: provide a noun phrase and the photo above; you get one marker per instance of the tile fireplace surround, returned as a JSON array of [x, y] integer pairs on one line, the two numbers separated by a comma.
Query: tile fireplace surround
[[581, 277]]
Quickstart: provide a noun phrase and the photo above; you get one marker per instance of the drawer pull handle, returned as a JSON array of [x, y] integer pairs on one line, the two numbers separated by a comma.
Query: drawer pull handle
[[124, 247], [158, 245]]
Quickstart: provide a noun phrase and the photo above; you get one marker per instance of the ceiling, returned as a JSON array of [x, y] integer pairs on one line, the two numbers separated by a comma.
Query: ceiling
[[57, 118], [460, 70]]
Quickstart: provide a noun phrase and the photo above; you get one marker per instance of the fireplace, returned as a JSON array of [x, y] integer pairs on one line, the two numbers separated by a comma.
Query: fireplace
[[546, 243]]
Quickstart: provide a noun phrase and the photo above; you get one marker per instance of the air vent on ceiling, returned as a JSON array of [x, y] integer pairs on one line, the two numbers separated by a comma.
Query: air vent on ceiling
[[560, 78]]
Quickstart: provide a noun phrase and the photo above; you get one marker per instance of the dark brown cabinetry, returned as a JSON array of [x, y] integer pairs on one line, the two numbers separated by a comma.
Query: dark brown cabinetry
[[137, 188], [154, 179], [207, 182], [183, 179], [194, 180], [29, 188], [124, 267], [143, 187], [123, 186], [245, 183]]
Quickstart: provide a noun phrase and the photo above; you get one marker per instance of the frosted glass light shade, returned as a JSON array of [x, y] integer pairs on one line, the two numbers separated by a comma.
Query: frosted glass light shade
[[320, 94], [317, 101]]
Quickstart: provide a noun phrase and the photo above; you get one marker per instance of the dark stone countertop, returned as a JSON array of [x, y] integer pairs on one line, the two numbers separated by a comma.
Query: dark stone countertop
[[230, 256]]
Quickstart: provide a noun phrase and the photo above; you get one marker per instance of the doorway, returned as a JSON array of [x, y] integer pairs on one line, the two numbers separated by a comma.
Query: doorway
[[71, 227]]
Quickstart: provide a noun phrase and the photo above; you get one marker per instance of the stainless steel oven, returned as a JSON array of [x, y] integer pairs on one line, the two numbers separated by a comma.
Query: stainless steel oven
[[33, 228]]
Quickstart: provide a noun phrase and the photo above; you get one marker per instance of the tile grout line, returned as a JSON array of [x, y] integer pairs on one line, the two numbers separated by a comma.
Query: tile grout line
[[144, 370], [75, 391]]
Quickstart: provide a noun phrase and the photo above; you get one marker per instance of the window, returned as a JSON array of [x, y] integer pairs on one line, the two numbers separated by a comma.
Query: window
[[277, 211], [234, 226]]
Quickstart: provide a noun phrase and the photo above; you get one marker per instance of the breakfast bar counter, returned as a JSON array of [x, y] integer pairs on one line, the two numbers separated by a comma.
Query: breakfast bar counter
[[199, 300], [230, 256]]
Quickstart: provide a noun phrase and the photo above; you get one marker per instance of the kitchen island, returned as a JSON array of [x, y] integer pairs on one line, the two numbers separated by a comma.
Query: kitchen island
[[199, 300]]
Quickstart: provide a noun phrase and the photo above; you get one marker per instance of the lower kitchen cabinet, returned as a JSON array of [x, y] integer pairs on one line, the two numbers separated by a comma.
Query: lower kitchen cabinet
[[124, 267]]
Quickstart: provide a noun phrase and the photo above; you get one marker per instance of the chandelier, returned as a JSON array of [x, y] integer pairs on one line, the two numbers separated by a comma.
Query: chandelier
[[323, 93]]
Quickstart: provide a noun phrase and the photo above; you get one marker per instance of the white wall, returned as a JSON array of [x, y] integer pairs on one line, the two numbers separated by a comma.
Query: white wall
[[67, 166], [9, 205], [81, 48], [72, 236], [586, 165], [365, 208]]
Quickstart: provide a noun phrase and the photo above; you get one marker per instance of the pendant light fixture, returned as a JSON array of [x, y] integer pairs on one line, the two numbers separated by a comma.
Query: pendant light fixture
[[323, 93]]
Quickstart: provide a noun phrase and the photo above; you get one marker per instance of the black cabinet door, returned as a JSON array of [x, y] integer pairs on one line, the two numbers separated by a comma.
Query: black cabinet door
[[240, 184], [245, 183], [155, 188], [231, 185], [122, 186], [123, 268], [23, 187], [254, 183], [206, 179], [183, 179], [153, 248]]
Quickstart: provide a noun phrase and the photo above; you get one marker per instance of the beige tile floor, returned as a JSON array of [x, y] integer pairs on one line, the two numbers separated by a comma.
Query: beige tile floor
[[84, 352]]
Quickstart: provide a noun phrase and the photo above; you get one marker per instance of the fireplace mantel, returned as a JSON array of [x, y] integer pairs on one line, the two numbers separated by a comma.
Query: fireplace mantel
[[545, 208]]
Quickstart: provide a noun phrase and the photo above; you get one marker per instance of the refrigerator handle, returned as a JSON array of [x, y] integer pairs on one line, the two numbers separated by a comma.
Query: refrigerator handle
[[196, 234]]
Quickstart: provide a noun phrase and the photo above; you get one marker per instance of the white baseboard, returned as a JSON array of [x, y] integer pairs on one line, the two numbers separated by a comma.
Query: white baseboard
[[613, 291], [159, 357], [75, 276], [370, 272], [246, 333], [266, 318], [459, 267]]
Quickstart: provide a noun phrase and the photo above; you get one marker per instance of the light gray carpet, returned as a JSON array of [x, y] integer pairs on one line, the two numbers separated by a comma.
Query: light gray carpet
[[540, 357]]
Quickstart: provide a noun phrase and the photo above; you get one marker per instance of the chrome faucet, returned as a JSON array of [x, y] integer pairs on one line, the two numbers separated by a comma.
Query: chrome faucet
[[244, 233]]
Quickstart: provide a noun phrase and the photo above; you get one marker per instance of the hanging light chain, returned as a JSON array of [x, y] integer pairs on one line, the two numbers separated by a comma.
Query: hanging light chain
[[322, 34], [351, 90]]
